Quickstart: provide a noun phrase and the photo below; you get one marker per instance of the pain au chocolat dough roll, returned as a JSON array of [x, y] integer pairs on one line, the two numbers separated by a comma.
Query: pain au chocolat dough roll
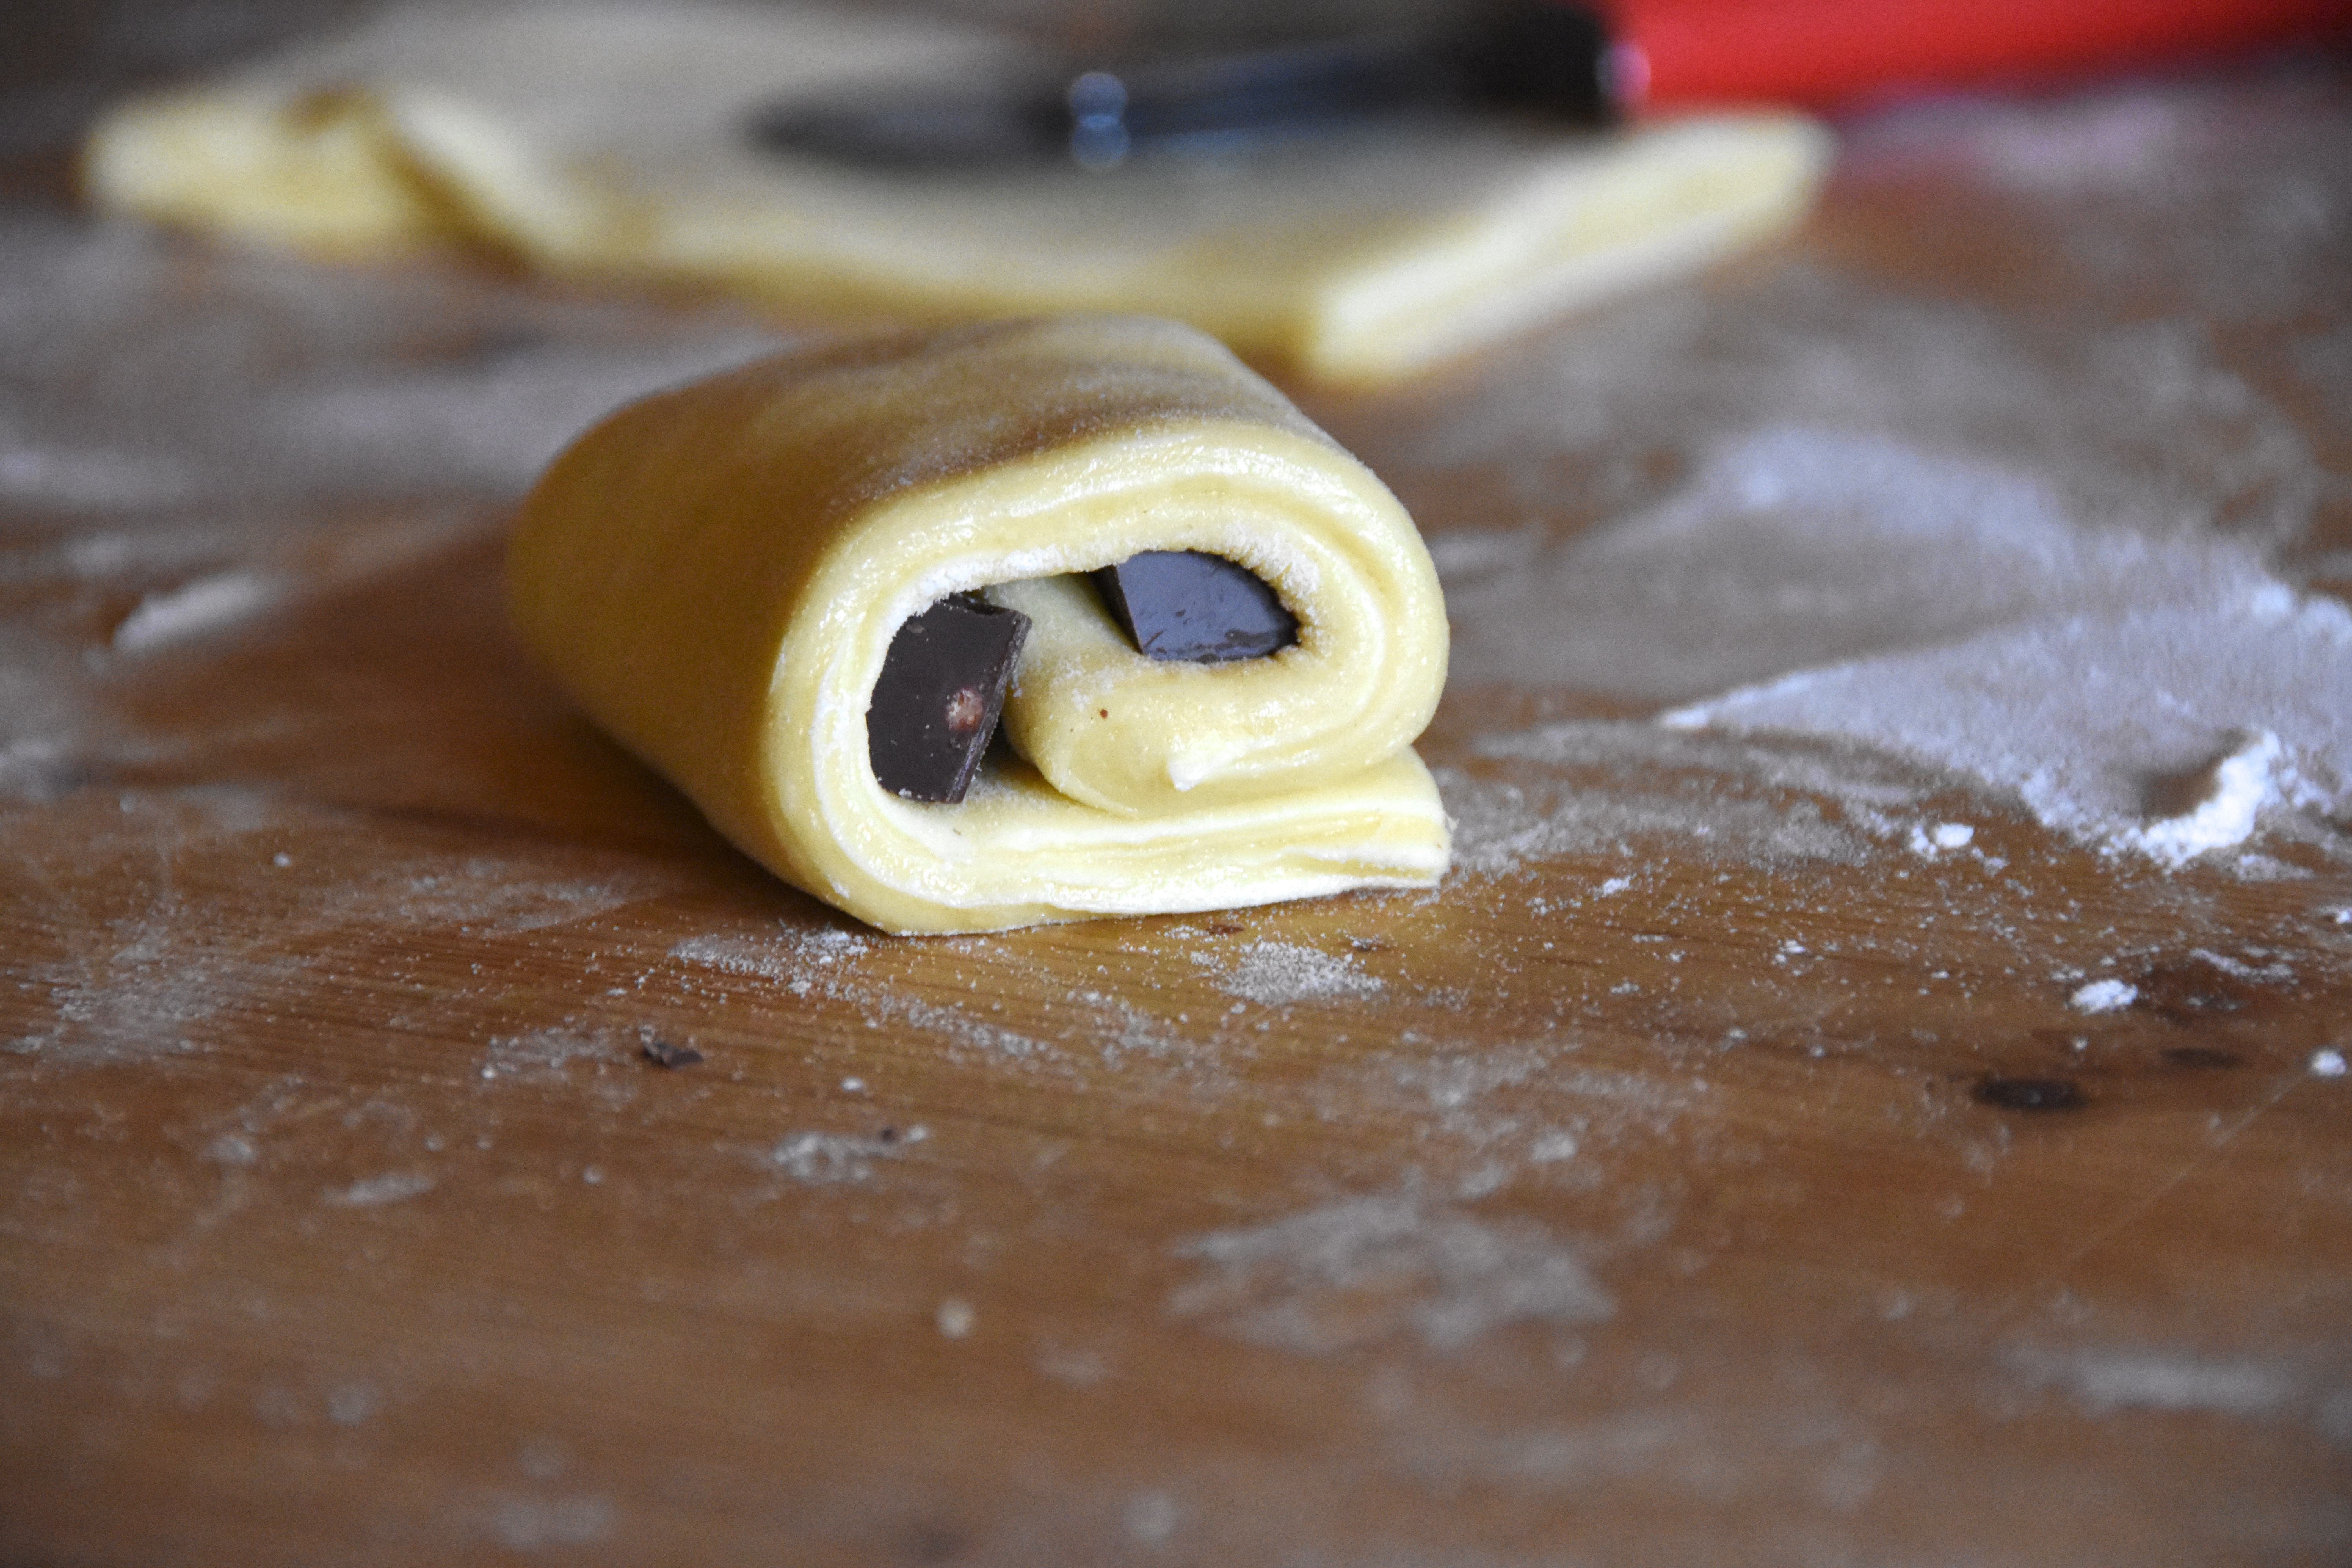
[[744, 579]]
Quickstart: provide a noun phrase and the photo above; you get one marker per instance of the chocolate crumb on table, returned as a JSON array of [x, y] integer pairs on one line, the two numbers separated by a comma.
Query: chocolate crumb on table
[[670, 1053]]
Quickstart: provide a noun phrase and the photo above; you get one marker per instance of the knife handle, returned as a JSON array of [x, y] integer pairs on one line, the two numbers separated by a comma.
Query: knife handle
[[1820, 52]]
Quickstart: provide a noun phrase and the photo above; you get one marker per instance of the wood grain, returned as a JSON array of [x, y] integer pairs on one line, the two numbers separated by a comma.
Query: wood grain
[[1646, 1199]]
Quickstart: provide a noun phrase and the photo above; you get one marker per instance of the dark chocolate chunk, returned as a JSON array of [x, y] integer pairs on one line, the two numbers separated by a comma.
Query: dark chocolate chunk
[[1186, 604], [943, 688]]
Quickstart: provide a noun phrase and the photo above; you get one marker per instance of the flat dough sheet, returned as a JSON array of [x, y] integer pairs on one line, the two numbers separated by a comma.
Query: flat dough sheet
[[716, 573], [612, 140]]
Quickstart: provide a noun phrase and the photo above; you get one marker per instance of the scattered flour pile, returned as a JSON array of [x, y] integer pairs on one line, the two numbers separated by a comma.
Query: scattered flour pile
[[2171, 730], [2031, 547], [290, 381], [2158, 693], [1794, 546], [1368, 1269], [1276, 974]]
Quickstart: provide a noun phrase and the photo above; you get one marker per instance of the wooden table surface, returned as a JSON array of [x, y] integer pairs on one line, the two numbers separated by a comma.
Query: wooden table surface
[[1696, 1177]]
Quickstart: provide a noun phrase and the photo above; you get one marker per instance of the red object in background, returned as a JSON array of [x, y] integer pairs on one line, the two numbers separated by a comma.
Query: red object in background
[[1818, 52]]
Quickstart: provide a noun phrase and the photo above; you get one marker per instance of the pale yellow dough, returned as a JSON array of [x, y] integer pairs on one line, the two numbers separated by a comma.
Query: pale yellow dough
[[718, 571], [610, 141]]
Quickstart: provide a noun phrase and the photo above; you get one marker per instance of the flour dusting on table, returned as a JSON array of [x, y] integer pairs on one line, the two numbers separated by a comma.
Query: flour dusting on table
[[2155, 691], [2053, 558], [1366, 1269], [2169, 729], [1273, 973]]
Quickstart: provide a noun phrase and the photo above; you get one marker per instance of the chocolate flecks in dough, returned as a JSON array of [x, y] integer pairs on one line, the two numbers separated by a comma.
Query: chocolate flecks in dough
[[1190, 606], [2031, 1094], [941, 691]]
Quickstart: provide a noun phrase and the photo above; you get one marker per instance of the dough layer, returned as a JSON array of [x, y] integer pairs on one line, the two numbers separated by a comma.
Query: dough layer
[[612, 140], [716, 573]]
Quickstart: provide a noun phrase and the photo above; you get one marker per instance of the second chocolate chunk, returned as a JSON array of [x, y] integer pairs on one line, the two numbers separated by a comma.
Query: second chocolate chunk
[[940, 695], [1188, 604]]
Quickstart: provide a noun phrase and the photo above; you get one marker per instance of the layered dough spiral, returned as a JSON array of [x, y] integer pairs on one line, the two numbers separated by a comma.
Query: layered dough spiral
[[717, 572]]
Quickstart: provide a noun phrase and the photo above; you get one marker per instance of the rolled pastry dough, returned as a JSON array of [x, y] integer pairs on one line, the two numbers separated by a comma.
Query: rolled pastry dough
[[716, 573], [608, 140]]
